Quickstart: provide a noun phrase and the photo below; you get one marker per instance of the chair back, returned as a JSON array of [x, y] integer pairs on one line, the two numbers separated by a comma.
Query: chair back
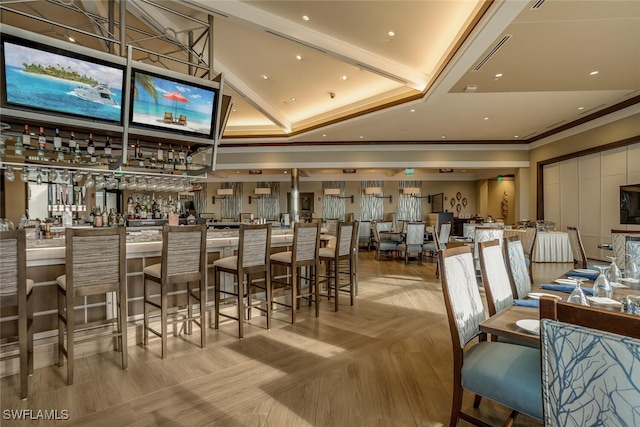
[[575, 241], [183, 252], [495, 277], [633, 249], [253, 246], [414, 233], [469, 230], [461, 295], [596, 352], [364, 231], [306, 243], [86, 248], [380, 227], [346, 237], [517, 267], [445, 233], [13, 261], [485, 234], [332, 226], [529, 240], [618, 240]]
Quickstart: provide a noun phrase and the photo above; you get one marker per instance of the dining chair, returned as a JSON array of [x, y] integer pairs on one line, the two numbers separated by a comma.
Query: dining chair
[[632, 254], [17, 289], [304, 255], [469, 230], [445, 233], [87, 248], [484, 234], [433, 248], [618, 241], [383, 242], [528, 245], [505, 373], [413, 241], [590, 360], [183, 261], [495, 277], [517, 267], [364, 234], [250, 262], [335, 257], [331, 226], [575, 241]]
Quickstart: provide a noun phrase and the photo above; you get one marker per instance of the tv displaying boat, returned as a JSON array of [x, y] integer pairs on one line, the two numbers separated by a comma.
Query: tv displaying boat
[[48, 79], [171, 104]]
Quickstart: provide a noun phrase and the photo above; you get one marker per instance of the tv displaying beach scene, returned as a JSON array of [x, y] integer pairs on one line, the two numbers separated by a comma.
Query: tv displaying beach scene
[[61, 82], [173, 105]]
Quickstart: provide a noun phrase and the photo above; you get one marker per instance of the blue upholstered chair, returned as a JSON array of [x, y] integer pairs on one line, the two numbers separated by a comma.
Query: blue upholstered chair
[[382, 240], [517, 267], [590, 367], [414, 238], [506, 373]]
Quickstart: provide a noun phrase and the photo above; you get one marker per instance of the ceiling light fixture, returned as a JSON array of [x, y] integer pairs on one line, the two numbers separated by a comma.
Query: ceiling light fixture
[[486, 118], [361, 137], [344, 77], [499, 75], [72, 40], [391, 33], [593, 73], [413, 110], [265, 77], [305, 18], [580, 108], [443, 137], [293, 98]]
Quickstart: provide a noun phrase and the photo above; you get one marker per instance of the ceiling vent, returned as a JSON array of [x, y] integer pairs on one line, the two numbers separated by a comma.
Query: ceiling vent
[[471, 88], [491, 53], [537, 5]]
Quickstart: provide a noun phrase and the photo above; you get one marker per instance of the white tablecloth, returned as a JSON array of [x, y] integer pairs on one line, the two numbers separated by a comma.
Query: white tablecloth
[[552, 246]]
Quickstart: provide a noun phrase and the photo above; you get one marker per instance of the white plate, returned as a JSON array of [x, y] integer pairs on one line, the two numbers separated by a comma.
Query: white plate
[[566, 282], [618, 285], [585, 271], [537, 295], [604, 301], [530, 325]]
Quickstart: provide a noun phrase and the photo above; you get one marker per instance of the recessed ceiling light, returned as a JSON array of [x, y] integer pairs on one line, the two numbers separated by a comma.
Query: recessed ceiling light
[[499, 75], [361, 137], [299, 57], [293, 98], [593, 73], [324, 134], [344, 77], [72, 40], [580, 108], [285, 171], [305, 18], [413, 110], [443, 137], [391, 33], [486, 118], [234, 110], [265, 77], [516, 136]]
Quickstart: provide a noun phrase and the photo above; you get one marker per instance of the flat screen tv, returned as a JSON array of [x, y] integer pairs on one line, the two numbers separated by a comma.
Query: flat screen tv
[[630, 204], [169, 104], [48, 79]]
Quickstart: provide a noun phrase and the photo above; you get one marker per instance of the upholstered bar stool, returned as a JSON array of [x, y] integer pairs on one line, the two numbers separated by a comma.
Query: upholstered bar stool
[[341, 253], [14, 284], [183, 261], [95, 264], [252, 258], [304, 253]]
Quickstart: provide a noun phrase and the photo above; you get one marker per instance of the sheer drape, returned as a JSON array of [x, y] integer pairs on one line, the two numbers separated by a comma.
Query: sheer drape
[[269, 205], [409, 207], [200, 199], [232, 205], [333, 207], [371, 207]]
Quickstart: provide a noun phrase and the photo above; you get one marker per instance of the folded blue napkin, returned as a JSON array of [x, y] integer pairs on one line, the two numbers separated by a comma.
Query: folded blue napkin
[[565, 288], [527, 302], [590, 276]]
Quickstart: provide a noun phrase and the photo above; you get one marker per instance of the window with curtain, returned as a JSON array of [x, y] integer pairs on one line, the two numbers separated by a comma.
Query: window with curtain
[[232, 205], [200, 199], [269, 205], [333, 207], [371, 207], [409, 207]]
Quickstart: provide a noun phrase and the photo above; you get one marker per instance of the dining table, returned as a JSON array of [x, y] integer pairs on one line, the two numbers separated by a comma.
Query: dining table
[[505, 322]]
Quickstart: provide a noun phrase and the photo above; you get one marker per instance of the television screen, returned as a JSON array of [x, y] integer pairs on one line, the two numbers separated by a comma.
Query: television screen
[[630, 204], [437, 202], [41, 78], [173, 105]]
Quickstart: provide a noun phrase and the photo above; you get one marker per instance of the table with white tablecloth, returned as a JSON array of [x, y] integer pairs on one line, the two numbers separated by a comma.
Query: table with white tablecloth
[[552, 246]]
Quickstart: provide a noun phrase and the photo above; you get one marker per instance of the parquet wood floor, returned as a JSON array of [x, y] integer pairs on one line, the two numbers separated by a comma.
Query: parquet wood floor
[[386, 361]]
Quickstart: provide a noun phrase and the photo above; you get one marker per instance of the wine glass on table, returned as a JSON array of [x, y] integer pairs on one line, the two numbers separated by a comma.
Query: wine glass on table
[[602, 286], [633, 270], [577, 295], [614, 274]]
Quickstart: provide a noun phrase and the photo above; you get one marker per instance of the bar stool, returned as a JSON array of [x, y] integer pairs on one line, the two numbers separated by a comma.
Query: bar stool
[[347, 236], [304, 253], [183, 261], [14, 284], [252, 258], [95, 264]]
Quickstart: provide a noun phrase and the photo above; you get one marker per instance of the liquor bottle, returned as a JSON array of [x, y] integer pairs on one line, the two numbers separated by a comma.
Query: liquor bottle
[[91, 148], [160, 155], [42, 143], [136, 150], [181, 156], [107, 147], [57, 141], [189, 156], [18, 147], [72, 142], [170, 154], [26, 137]]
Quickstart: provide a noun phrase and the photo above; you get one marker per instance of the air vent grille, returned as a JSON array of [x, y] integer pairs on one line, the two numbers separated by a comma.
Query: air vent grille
[[491, 53]]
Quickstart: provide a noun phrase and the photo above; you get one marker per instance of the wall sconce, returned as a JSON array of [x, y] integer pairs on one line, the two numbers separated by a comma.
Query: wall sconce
[[260, 193], [376, 192], [222, 193], [335, 192]]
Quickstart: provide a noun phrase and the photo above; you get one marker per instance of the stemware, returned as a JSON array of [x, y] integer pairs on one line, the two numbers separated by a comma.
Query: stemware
[[9, 174], [24, 175], [633, 270], [577, 295], [602, 286], [614, 273]]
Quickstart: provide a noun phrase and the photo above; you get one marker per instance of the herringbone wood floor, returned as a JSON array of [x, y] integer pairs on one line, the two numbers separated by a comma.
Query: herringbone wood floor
[[386, 361]]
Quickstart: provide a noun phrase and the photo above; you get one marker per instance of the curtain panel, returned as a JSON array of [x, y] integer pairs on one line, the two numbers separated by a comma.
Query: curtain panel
[[232, 205], [371, 207], [409, 207], [333, 207], [269, 205]]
